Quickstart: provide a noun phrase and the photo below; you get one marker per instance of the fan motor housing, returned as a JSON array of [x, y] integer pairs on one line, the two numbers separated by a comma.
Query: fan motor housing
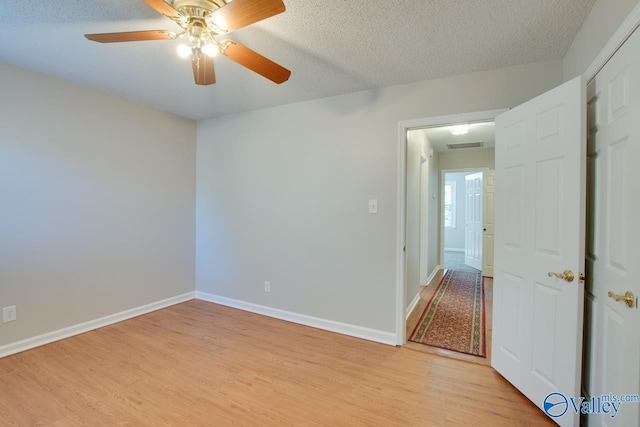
[[190, 7]]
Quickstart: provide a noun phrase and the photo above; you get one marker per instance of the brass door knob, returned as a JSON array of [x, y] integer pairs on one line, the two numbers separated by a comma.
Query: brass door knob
[[627, 298], [565, 275]]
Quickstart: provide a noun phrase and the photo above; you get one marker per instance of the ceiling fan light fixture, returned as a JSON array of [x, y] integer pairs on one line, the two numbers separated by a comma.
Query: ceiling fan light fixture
[[218, 25], [184, 51], [210, 49], [460, 129], [201, 21]]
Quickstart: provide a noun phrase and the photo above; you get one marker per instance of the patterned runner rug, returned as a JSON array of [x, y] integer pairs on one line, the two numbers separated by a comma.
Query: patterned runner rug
[[454, 317]]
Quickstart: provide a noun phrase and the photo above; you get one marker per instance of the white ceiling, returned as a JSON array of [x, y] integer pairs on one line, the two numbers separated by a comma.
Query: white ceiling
[[331, 46], [483, 132]]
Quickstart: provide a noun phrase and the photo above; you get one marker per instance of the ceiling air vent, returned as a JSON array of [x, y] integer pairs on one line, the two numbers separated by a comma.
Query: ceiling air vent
[[457, 146]]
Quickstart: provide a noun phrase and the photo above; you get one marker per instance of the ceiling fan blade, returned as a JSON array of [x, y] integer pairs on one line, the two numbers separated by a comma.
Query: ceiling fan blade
[[163, 7], [131, 36], [240, 13], [203, 71], [254, 61]]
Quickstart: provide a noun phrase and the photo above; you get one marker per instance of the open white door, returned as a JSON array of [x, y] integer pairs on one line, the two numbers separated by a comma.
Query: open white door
[[488, 191], [539, 232], [473, 220]]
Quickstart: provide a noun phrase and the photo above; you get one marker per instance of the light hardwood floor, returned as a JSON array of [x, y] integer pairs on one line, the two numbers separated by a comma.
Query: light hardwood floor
[[202, 364], [425, 296]]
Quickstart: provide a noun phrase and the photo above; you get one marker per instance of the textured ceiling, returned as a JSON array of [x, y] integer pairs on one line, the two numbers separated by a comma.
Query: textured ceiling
[[331, 46]]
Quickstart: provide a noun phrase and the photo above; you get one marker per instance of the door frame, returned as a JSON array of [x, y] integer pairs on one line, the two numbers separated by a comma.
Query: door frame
[[401, 209], [624, 31], [619, 37], [441, 227]]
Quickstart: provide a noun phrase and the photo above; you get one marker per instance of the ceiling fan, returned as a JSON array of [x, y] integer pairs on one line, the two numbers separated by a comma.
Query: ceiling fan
[[201, 22]]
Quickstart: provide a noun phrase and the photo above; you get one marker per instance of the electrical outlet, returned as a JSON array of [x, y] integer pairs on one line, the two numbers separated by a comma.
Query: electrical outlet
[[9, 314], [267, 286], [373, 206]]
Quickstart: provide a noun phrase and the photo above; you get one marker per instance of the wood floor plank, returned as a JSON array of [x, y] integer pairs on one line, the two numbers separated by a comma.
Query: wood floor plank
[[201, 364]]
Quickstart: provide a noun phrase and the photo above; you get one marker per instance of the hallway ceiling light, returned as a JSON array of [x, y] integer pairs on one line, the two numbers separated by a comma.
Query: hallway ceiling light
[[459, 130]]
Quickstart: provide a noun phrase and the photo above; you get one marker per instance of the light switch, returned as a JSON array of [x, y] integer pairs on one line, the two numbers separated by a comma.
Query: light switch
[[373, 206]]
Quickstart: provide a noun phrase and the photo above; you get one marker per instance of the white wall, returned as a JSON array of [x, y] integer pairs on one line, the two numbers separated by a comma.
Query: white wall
[[97, 204], [282, 193], [422, 213], [468, 159], [601, 23], [433, 218], [415, 153]]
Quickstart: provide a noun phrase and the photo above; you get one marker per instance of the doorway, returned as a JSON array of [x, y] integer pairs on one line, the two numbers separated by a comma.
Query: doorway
[[462, 219], [451, 213], [404, 302]]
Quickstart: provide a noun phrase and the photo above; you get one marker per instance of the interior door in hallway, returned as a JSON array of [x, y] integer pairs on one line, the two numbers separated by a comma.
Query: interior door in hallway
[[539, 248], [473, 220], [613, 270], [488, 191]]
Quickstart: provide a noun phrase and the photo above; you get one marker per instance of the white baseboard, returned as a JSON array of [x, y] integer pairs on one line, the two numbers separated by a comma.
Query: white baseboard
[[49, 337], [432, 275], [454, 249], [315, 322], [416, 299], [329, 325], [413, 304]]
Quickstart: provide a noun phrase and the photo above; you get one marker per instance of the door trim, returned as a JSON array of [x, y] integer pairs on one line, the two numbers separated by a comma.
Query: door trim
[[401, 209]]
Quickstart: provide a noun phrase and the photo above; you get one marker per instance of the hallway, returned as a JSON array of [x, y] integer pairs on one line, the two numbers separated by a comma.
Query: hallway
[[454, 260], [425, 296]]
